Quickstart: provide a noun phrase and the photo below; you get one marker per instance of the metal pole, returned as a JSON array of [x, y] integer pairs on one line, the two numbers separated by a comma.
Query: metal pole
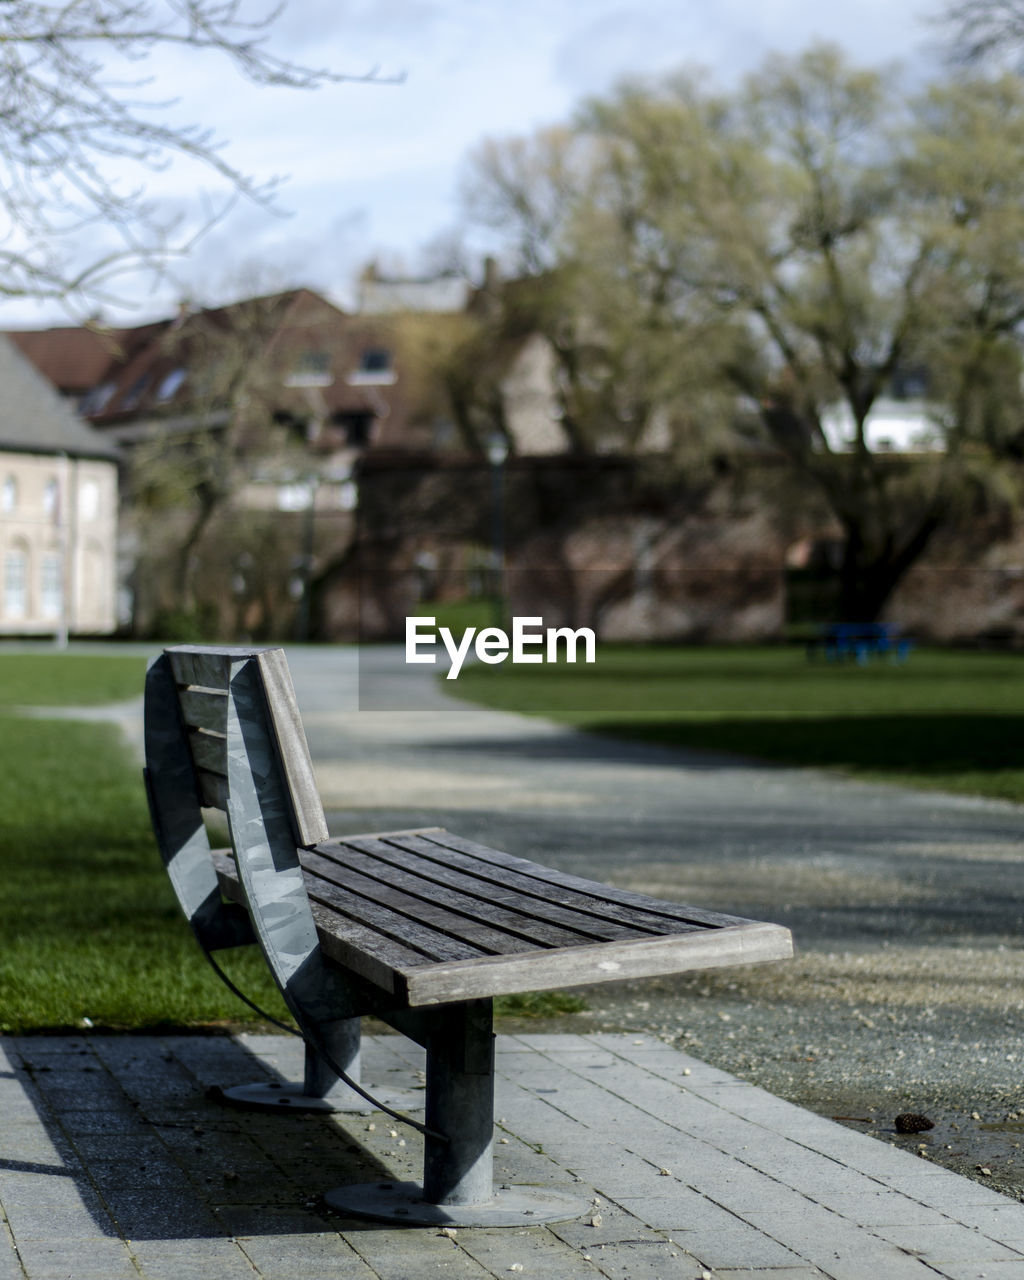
[[64, 514], [460, 1105], [304, 620], [497, 452]]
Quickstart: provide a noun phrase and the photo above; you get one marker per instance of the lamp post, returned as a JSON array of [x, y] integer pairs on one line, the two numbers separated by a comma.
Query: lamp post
[[497, 452], [304, 617]]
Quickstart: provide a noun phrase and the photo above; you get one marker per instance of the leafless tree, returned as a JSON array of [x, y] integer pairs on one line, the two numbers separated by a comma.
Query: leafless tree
[[72, 128], [983, 29]]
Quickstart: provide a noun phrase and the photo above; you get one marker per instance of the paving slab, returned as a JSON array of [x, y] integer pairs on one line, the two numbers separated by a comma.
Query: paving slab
[[120, 1164]]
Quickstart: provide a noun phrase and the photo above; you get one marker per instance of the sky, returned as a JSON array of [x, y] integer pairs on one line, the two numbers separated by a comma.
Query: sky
[[373, 169]]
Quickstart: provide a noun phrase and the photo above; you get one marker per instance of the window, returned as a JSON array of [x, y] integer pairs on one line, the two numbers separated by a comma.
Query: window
[[375, 360], [169, 385], [51, 500], [96, 400], [909, 384], [134, 395], [298, 496], [51, 587], [312, 369], [9, 495], [89, 500], [15, 584], [375, 369]]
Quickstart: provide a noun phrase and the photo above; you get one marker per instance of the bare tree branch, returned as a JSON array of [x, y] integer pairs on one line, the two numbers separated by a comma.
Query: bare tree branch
[[982, 29], [70, 131]]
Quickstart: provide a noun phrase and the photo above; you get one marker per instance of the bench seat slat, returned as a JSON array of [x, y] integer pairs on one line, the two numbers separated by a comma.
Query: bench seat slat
[[209, 751], [213, 789], [552, 924], [641, 913], [192, 667], [749, 943], [581, 890], [361, 949], [475, 933], [485, 924], [431, 944], [204, 709]]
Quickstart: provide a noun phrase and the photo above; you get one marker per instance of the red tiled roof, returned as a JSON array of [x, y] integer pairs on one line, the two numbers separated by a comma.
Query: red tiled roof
[[75, 359]]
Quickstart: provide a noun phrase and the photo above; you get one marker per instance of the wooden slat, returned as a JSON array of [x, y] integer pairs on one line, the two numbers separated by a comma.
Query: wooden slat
[[213, 789], [479, 929], [227, 874], [585, 888], [293, 750], [751, 943], [544, 896], [208, 668], [204, 709], [209, 751], [431, 945], [510, 912], [348, 943], [549, 924]]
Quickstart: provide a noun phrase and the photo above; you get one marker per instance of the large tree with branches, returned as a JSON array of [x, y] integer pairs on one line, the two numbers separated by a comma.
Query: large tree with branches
[[779, 255]]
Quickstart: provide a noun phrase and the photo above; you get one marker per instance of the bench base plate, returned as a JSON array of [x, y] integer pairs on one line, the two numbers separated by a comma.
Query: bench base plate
[[402, 1202], [267, 1096]]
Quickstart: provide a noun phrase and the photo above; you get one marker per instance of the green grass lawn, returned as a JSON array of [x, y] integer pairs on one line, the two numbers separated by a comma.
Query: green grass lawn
[[90, 931], [68, 679], [943, 719], [89, 925]]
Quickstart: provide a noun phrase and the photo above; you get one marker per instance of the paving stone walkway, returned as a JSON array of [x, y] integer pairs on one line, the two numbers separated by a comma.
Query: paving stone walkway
[[116, 1165]]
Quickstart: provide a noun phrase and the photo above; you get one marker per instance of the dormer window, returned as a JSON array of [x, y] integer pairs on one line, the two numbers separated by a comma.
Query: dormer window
[[375, 369], [96, 400], [135, 394], [312, 369], [169, 385], [376, 360]]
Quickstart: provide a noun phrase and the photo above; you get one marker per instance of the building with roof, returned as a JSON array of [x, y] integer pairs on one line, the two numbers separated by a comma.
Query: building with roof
[[58, 511]]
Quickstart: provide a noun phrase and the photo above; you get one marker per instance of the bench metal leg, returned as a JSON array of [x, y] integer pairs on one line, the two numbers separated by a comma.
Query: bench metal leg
[[321, 1090], [458, 1187]]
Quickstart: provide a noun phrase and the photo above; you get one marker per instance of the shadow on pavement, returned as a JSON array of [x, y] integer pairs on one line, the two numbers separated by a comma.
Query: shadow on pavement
[[117, 1136]]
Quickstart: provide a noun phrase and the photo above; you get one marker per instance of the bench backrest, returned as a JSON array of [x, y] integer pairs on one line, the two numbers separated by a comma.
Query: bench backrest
[[203, 679], [191, 694], [223, 730]]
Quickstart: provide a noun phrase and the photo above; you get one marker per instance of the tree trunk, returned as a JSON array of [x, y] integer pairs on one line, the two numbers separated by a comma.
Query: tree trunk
[[869, 575]]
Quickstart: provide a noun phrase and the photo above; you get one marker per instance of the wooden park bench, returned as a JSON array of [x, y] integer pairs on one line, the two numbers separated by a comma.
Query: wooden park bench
[[419, 928]]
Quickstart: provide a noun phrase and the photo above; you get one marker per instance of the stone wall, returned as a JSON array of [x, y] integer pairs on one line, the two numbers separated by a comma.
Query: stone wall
[[608, 543], [598, 542]]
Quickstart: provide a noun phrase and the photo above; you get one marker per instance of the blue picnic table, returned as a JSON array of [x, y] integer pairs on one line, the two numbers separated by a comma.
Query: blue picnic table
[[860, 642]]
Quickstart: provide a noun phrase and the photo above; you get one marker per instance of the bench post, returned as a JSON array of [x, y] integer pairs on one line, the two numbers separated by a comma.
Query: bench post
[[458, 1153], [460, 1105], [319, 1081]]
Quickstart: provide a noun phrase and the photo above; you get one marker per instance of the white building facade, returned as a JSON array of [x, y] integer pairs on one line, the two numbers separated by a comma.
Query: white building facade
[[58, 512]]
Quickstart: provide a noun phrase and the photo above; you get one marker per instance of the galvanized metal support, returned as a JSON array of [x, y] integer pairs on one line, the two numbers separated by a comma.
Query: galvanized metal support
[[458, 1187], [460, 1105]]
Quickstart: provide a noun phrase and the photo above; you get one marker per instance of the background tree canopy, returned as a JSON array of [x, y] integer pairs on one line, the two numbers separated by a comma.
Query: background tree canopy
[[754, 270]]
